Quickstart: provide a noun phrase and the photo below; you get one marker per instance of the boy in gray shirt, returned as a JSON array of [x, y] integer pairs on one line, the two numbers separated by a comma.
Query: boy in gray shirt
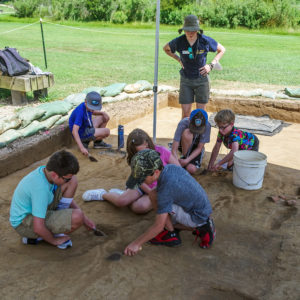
[[179, 201], [190, 136]]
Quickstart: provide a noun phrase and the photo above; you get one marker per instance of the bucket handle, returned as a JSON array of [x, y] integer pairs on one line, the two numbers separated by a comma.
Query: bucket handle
[[249, 184]]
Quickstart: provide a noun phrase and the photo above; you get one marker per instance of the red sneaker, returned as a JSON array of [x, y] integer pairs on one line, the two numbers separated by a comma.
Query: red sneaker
[[167, 238], [207, 234]]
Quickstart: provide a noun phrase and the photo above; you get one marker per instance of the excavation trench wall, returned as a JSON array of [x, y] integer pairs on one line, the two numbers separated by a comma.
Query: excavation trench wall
[[24, 152]]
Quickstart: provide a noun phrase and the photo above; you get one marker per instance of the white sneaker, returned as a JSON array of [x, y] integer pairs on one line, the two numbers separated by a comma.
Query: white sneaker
[[93, 195], [117, 191], [65, 245]]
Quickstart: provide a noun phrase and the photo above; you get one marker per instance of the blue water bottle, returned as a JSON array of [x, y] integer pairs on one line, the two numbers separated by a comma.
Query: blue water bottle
[[120, 137]]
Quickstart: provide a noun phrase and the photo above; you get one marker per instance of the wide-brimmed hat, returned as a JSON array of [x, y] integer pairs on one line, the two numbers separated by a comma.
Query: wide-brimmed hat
[[198, 120], [93, 101], [143, 164], [191, 23]]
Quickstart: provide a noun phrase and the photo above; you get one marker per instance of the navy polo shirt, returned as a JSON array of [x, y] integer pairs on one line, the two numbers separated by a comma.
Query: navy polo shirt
[[80, 117], [201, 47]]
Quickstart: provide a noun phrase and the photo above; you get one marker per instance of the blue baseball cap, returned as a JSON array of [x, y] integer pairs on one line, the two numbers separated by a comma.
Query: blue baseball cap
[[198, 121]]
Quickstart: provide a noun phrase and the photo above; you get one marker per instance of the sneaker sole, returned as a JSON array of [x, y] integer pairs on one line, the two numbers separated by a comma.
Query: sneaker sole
[[164, 244], [101, 147], [65, 245]]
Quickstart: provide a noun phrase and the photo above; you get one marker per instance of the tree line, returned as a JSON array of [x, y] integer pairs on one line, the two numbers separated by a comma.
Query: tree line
[[253, 14]]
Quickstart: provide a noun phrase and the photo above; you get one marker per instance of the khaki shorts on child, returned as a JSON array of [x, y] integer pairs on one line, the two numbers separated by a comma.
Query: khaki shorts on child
[[57, 221], [178, 215]]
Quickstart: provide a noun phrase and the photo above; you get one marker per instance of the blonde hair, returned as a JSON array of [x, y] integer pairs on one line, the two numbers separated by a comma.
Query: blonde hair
[[225, 116], [136, 138]]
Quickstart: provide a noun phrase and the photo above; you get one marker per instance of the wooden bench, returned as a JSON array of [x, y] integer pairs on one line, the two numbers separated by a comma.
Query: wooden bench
[[20, 85]]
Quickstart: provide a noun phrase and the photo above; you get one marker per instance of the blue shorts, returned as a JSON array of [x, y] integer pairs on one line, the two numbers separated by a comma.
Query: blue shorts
[[88, 135]]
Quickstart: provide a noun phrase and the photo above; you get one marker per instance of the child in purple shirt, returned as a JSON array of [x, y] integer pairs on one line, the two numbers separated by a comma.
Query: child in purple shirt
[[137, 199]]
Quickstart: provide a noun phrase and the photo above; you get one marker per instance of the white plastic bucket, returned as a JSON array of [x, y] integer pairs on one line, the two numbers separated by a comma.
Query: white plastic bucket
[[249, 169]]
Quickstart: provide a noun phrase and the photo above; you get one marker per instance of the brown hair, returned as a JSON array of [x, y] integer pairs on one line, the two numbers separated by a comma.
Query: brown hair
[[225, 116], [135, 138], [63, 163]]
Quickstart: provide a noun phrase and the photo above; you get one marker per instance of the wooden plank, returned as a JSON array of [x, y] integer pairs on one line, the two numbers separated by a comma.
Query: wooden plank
[[51, 80], [27, 83], [39, 82], [34, 85]]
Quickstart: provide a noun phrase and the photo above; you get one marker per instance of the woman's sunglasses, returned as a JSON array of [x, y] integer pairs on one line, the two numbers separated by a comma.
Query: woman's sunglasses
[[191, 54]]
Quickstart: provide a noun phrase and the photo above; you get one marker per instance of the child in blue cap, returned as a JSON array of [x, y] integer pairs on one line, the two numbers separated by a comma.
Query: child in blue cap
[[192, 134], [84, 128]]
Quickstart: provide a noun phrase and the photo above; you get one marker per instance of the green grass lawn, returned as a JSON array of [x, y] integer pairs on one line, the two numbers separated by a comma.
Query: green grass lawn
[[97, 54]]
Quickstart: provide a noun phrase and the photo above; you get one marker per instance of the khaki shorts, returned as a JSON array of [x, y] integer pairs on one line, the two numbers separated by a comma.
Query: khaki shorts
[[194, 90], [179, 216], [57, 221]]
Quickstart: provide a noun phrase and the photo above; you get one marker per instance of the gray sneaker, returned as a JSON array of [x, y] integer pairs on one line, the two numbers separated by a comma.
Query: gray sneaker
[[101, 145], [85, 144]]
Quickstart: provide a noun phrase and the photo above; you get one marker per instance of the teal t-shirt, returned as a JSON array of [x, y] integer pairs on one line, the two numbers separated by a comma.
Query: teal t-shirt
[[32, 196]]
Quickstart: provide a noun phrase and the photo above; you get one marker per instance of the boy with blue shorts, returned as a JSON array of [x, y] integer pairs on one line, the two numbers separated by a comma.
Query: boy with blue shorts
[[179, 200], [190, 137], [84, 128]]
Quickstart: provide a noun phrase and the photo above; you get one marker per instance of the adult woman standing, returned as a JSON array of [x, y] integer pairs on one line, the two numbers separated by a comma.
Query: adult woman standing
[[193, 47]]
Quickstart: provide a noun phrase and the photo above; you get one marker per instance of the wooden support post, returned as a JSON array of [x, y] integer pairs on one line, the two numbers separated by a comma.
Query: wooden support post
[[40, 93], [18, 98]]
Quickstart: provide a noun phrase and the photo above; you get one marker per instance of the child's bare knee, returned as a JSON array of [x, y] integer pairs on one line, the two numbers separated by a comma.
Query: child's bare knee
[[77, 218]]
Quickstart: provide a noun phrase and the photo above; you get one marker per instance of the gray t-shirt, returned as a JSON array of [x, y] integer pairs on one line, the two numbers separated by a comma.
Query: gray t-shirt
[[184, 124], [176, 186]]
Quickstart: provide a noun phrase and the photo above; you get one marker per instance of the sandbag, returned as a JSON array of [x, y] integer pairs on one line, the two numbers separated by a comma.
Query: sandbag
[[75, 99], [269, 94], [99, 90], [55, 108], [32, 129], [9, 122], [62, 120], [292, 92], [132, 88], [29, 114], [48, 123], [145, 85], [8, 137], [114, 89]]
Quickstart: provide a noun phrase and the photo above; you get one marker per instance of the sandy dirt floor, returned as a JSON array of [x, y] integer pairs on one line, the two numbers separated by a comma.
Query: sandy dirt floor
[[255, 254]]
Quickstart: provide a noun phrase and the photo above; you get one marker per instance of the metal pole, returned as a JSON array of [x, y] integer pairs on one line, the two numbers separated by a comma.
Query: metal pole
[[44, 48], [156, 68]]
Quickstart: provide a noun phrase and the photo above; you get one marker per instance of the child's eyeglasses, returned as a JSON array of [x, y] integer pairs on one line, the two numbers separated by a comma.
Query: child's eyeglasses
[[65, 179], [191, 54], [223, 127]]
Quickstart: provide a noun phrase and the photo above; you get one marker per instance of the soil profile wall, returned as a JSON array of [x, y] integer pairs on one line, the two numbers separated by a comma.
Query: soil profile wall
[[285, 110]]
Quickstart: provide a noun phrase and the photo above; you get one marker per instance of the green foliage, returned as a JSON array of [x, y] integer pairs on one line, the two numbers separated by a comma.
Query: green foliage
[[119, 17], [217, 13], [26, 8], [100, 10], [249, 13]]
